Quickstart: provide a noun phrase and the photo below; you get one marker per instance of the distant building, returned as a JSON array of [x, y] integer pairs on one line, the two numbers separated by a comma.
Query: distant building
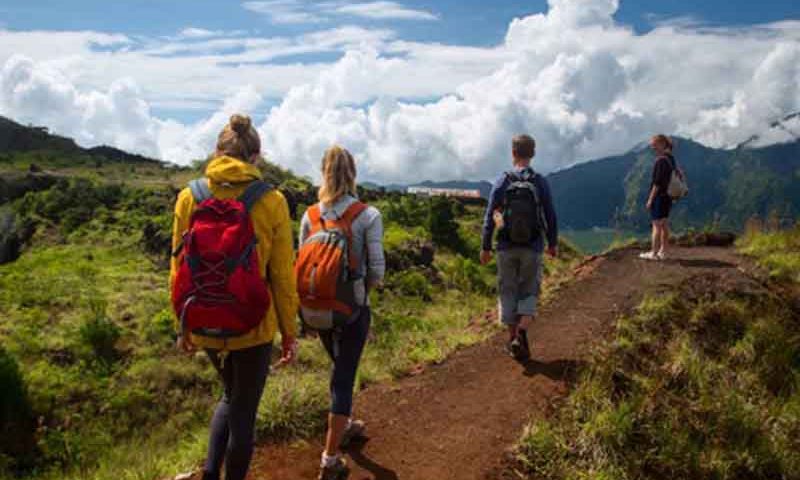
[[444, 192]]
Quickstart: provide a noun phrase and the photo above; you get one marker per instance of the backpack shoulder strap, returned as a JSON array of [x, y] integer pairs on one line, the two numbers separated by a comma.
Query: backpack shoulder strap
[[200, 190], [352, 212], [346, 221], [314, 214], [253, 193]]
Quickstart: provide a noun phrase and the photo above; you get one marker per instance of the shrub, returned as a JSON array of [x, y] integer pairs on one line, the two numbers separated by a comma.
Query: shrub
[[100, 334], [16, 419], [466, 275], [442, 224], [411, 283], [405, 210]]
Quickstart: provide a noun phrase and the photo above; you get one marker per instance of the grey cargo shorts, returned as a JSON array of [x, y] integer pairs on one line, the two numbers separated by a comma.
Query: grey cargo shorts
[[519, 279]]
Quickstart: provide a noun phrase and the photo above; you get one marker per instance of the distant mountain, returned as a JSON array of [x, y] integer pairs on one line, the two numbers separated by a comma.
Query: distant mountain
[[726, 186], [17, 138]]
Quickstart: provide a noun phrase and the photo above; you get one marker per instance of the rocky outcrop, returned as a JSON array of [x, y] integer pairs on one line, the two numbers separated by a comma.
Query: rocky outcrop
[[16, 185], [414, 253]]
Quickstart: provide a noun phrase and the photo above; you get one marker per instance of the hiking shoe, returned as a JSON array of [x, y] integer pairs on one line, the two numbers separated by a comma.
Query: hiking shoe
[[509, 349], [526, 347], [519, 348], [648, 256], [337, 471], [355, 430]]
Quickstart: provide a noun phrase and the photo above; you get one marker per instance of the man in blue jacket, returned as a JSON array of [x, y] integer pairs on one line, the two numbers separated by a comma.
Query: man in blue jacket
[[521, 208]]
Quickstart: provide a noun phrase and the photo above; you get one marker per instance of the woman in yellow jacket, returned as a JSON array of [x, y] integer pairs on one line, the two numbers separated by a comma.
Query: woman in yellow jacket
[[243, 362]]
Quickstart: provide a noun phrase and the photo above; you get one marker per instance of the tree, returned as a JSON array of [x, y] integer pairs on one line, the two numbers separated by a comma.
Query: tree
[[442, 223]]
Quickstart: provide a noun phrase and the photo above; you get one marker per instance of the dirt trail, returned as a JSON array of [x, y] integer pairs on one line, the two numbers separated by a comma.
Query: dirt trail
[[458, 419]]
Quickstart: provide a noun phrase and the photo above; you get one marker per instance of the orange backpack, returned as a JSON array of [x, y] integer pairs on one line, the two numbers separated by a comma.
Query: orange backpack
[[326, 271]]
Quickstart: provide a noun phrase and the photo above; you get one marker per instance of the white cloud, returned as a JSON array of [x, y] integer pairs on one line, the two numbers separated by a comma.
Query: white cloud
[[304, 11], [582, 84], [200, 33], [285, 11], [385, 10], [117, 116]]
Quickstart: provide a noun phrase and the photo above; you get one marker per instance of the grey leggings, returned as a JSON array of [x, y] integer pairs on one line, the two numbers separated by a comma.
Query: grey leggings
[[345, 350], [233, 424]]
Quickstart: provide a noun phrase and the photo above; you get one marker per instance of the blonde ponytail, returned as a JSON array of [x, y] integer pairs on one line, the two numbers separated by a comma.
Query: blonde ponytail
[[338, 175]]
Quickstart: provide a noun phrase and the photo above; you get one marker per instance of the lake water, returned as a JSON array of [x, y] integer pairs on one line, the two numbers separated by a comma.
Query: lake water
[[597, 240]]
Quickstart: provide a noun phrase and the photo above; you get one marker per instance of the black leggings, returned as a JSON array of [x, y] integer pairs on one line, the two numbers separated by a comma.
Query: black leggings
[[345, 350], [233, 424]]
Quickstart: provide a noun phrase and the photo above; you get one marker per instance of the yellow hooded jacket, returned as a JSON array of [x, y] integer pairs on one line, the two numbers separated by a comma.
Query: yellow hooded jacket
[[228, 178]]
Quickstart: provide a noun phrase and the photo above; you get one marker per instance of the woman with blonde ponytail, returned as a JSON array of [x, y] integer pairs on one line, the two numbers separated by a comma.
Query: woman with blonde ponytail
[[338, 203], [243, 360]]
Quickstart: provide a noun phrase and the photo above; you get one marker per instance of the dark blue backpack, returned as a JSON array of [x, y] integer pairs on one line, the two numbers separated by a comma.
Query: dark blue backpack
[[523, 214]]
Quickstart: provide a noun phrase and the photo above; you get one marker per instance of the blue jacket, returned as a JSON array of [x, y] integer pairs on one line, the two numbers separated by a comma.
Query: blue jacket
[[496, 199]]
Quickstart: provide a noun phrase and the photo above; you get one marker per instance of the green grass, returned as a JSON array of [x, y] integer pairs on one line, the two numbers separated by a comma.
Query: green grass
[[86, 325], [701, 383], [778, 252]]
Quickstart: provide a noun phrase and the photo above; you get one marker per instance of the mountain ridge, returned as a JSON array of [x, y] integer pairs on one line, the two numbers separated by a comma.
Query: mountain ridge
[[728, 186], [18, 138]]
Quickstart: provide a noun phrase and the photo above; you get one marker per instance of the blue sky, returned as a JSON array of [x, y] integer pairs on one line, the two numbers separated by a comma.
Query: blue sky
[[469, 22], [414, 87]]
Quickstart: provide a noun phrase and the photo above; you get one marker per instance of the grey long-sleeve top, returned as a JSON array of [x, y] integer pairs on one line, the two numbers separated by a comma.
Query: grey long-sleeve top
[[367, 237]]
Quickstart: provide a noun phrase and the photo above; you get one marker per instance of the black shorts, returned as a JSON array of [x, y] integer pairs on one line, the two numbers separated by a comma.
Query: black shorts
[[660, 208]]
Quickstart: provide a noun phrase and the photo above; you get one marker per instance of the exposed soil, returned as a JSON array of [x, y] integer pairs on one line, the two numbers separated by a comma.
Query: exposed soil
[[458, 420]]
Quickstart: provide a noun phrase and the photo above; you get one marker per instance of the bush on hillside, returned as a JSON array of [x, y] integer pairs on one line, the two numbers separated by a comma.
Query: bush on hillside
[[410, 283], [17, 426], [442, 224], [69, 203], [99, 334], [465, 275], [406, 210]]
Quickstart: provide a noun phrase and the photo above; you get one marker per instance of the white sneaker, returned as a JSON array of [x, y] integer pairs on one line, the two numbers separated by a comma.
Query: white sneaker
[[661, 256], [648, 256]]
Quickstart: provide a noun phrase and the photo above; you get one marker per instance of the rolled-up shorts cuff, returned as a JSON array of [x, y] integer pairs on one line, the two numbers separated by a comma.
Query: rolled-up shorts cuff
[[510, 316]]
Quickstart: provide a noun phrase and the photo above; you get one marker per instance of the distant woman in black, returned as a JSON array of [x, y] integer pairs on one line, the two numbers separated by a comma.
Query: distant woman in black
[[659, 203]]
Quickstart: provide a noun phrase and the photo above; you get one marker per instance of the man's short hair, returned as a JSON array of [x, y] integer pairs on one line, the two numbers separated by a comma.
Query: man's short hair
[[523, 146]]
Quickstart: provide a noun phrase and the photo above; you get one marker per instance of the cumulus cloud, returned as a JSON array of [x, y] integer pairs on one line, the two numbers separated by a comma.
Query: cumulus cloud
[[117, 116], [584, 85]]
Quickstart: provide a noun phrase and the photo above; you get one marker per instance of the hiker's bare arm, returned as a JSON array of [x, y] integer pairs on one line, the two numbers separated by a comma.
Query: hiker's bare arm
[[652, 196]]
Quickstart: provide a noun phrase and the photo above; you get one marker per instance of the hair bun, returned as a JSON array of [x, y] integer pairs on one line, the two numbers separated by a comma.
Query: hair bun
[[240, 124]]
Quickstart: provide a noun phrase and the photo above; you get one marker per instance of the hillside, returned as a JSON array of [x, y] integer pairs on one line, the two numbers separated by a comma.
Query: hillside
[[91, 384], [17, 138]]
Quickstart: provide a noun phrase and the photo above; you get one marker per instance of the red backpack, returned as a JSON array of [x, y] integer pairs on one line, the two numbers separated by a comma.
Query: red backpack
[[219, 291]]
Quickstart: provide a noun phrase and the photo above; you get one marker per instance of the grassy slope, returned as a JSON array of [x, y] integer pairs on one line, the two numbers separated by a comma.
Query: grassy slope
[[701, 383], [85, 314]]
